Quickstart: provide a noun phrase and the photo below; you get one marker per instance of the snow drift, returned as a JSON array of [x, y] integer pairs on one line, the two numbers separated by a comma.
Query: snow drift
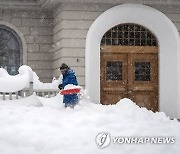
[[9, 83], [27, 101], [53, 129]]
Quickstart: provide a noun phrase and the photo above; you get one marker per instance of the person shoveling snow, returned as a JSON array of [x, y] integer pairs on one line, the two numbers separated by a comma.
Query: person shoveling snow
[[69, 78]]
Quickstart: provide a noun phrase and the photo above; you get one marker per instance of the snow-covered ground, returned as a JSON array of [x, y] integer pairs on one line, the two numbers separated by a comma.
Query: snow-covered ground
[[36, 125]]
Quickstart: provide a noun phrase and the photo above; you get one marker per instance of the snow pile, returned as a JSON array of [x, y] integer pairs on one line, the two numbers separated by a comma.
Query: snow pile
[[9, 83], [71, 86], [37, 84], [53, 129], [27, 101]]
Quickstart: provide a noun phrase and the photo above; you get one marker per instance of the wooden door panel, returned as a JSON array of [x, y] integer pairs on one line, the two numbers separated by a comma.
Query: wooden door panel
[[112, 89], [145, 99], [143, 80], [112, 97], [139, 80], [133, 83], [122, 58]]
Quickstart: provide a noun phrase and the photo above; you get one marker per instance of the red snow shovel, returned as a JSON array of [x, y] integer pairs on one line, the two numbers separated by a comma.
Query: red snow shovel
[[70, 91]]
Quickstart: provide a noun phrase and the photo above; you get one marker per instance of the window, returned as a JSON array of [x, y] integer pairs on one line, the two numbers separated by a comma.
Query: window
[[142, 71], [129, 35], [10, 50], [114, 70]]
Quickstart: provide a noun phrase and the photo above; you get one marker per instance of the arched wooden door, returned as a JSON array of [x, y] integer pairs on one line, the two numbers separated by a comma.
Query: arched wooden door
[[129, 66]]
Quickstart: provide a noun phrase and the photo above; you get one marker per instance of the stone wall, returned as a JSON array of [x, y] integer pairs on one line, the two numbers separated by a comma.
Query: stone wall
[[71, 24], [36, 27], [59, 35]]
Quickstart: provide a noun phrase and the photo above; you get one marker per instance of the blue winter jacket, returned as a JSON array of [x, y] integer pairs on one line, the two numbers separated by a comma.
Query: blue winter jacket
[[69, 78]]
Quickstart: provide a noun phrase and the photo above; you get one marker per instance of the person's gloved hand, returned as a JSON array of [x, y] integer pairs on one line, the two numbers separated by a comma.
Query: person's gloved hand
[[60, 86]]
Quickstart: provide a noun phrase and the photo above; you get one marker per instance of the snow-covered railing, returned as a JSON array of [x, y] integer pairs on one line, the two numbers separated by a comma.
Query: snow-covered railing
[[45, 89], [46, 92], [24, 84], [12, 86], [9, 95]]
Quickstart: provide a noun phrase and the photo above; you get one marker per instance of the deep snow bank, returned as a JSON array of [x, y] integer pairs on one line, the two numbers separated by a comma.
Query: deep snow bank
[[53, 129]]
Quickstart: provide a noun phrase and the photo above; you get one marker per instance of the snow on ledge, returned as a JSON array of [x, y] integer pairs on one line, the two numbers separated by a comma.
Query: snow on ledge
[[37, 84], [9, 83]]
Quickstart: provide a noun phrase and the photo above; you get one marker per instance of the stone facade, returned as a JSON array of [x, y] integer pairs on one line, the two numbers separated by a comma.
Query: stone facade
[[59, 34], [71, 24], [37, 29]]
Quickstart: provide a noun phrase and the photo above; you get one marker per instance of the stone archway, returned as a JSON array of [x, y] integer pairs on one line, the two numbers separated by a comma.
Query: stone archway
[[169, 51]]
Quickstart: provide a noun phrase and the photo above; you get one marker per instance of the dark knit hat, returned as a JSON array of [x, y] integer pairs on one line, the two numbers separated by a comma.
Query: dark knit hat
[[63, 66]]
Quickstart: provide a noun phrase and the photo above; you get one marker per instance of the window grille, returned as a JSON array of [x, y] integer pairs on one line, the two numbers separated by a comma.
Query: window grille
[[114, 70], [129, 35], [142, 71]]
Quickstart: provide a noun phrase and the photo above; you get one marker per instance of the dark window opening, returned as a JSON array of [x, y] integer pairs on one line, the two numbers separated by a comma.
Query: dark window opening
[[10, 50], [114, 70], [142, 71]]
